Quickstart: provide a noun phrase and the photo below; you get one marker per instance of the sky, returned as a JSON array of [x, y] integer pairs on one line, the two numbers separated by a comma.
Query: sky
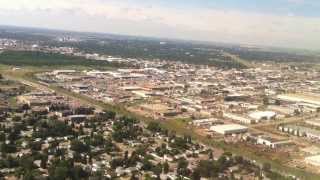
[[281, 23]]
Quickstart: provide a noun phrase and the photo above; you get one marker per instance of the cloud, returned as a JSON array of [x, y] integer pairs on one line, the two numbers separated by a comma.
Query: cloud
[[296, 1], [128, 17]]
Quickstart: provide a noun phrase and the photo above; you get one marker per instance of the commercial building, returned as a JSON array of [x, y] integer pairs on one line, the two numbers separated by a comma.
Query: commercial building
[[228, 129], [272, 142]]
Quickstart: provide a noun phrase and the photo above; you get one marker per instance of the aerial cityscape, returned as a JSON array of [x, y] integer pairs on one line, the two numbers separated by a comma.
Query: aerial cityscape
[[86, 104]]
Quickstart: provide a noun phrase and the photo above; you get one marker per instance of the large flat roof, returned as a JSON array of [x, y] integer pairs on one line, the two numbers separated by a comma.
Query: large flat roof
[[228, 127], [306, 98]]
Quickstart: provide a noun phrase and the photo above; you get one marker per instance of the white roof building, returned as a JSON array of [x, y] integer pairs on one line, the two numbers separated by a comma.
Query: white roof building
[[238, 118], [260, 115], [228, 129]]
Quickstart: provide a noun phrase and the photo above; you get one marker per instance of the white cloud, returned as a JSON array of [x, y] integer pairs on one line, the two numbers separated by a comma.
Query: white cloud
[[128, 18]]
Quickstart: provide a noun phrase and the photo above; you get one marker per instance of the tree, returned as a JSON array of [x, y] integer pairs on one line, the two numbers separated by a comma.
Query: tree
[[265, 101], [25, 107], [8, 148], [196, 174], [296, 112], [222, 163], [147, 165], [182, 167], [210, 155], [60, 172], [154, 127], [238, 159], [26, 163], [277, 102], [157, 169], [79, 146], [266, 167], [109, 114], [2, 137], [44, 160], [166, 167], [206, 168], [133, 159], [78, 173]]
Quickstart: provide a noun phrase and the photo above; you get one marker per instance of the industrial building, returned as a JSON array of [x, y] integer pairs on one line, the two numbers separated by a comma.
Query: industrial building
[[228, 129], [238, 118], [262, 115]]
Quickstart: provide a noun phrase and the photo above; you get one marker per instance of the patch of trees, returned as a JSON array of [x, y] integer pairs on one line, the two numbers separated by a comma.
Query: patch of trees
[[84, 110], [65, 169], [125, 161], [186, 52], [126, 128], [26, 58], [79, 146], [52, 128], [259, 55], [154, 127], [8, 148], [180, 143]]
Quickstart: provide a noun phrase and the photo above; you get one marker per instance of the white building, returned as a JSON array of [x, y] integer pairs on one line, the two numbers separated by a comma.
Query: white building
[[271, 142], [238, 118], [228, 129], [313, 160], [262, 115], [56, 72], [204, 122]]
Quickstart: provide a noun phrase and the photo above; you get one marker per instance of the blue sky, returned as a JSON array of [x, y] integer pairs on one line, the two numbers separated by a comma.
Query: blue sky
[[285, 23]]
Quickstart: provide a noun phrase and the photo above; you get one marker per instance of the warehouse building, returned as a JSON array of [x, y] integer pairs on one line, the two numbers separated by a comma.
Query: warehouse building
[[229, 129], [262, 115], [238, 118]]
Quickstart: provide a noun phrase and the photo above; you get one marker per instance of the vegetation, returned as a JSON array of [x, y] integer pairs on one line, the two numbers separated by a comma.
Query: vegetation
[[26, 58], [52, 128], [125, 129]]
